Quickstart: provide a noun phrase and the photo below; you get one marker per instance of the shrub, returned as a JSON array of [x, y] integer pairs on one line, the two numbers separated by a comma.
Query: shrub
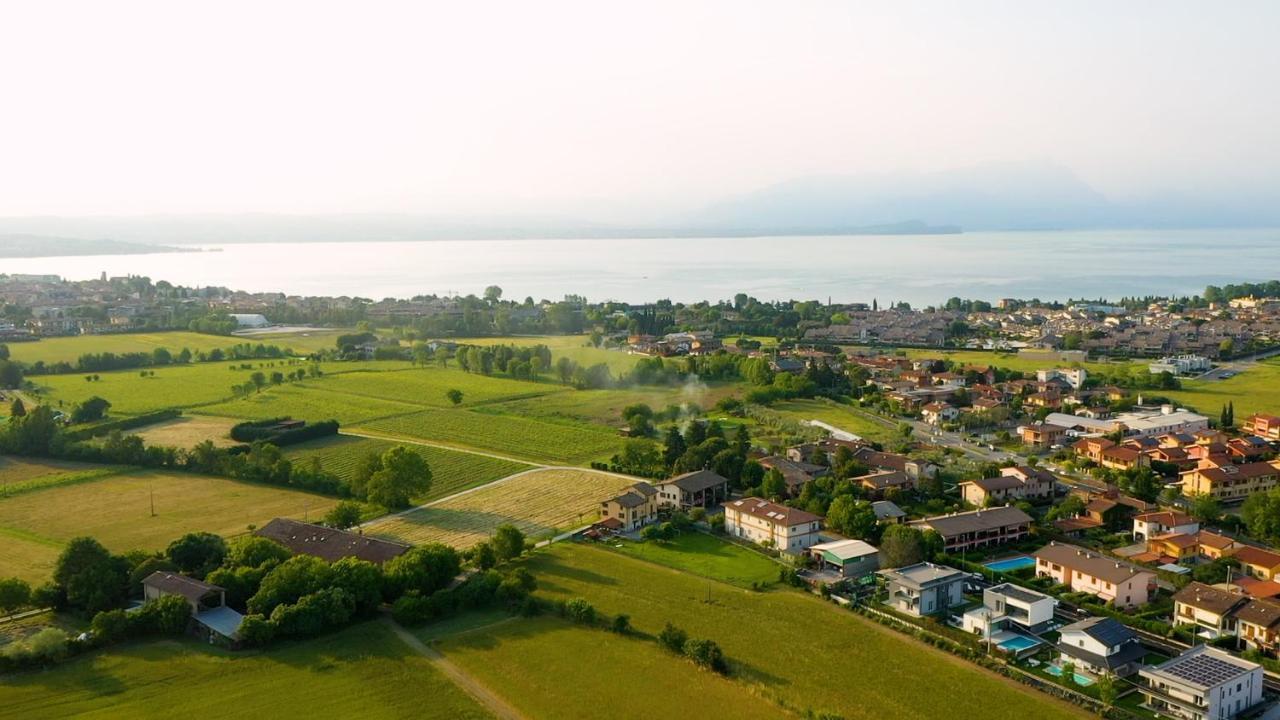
[[313, 613], [621, 624], [707, 654], [256, 631], [167, 615], [673, 638], [580, 611], [110, 626], [44, 648], [14, 593]]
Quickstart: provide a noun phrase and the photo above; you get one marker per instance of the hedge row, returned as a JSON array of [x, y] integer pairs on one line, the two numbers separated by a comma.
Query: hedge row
[[128, 423], [254, 430]]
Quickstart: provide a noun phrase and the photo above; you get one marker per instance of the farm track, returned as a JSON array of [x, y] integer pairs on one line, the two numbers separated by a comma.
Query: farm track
[[477, 690], [457, 448]]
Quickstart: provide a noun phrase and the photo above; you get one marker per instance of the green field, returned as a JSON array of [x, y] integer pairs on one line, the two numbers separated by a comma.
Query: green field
[[1255, 390], [14, 469], [520, 437], [362, 672], [69, 349], [793, 647], [548, 668], [117, 511], [451, 471], [841, 416], [427, 386], [707, 556], [309, 400]]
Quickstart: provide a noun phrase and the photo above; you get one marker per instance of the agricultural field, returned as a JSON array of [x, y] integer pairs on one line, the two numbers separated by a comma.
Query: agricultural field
[[787, 646], [1255, 389], [547, 441], [452, 471], [537, 502], [427, 386], [187, 431], [707, 556], [308, 400], [574, 347], [364, 671], [117, 511], [69, 349], [14, 469], [530, 661], [604, 407]]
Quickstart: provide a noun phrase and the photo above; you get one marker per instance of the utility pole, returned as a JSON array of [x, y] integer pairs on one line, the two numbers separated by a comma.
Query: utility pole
[[153, 499]]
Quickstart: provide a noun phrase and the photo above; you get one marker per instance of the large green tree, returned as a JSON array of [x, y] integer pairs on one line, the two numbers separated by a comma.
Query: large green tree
[[404, 473], [92, 577]]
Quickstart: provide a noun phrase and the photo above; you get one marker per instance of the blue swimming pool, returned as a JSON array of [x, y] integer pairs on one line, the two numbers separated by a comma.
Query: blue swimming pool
[[1081, 680], [1018, 644], [1010, 564]]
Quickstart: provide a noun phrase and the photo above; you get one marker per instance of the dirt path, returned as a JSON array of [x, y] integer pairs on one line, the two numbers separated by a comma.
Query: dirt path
[[499, 707], [442, 446]]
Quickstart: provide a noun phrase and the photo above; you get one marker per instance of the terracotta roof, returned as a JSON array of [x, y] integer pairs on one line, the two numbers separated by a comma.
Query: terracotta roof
[[1088, 562], [1253, 587], [772, 512], [1250, 555], [1076, 523], [1168, 518], [327, 543], [1214, 540], [1178, 540]]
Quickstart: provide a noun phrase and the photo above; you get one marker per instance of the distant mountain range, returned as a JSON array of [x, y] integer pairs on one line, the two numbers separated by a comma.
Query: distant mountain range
[[22, 246]]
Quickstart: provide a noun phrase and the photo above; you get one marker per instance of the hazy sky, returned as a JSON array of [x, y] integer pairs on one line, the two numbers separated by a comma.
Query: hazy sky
[[610, 108]]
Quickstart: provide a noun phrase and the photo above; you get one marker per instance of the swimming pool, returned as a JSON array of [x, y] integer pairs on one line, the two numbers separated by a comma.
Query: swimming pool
[[1009, 564], [1018, 643], [1081, 680]]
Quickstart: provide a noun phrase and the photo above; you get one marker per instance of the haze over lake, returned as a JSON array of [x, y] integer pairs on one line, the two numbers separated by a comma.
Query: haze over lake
[[921, 270]]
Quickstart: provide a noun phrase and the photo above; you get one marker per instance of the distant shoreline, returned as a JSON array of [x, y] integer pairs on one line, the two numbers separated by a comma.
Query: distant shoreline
[[35, 246]]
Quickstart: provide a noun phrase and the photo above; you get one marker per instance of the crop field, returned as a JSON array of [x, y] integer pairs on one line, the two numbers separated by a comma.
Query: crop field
[[549, 668], [26, 556], [1256, 389], [14, 469], [451, 471], [604, 407], [361, 672], [427, 386], [791, 646], [526, 438], [131, 394], [705, 555], [69, 349], [117, 511], [187, 431], [537, 503], [308, 401]]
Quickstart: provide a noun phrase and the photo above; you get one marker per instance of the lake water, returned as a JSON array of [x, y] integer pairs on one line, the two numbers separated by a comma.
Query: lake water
[[921, 270]]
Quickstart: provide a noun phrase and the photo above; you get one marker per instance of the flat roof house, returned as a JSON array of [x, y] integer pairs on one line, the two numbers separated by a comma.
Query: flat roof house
[[329, 544], [1101, 646], [700, 488], [1109, 579], [634, 507], [1203, 682], [924, 588], [1210, 610], [849, 558], [978, 528], [1007, 606], [770, 524]]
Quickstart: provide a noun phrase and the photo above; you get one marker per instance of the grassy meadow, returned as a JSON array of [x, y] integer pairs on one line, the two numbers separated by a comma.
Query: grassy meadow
[[363, 671], [793, 648], [188, 431], [837, 415], [537, 503], [707, 556], [1254, 390]]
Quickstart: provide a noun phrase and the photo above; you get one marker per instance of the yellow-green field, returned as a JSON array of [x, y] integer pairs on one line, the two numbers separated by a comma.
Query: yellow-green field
[[69, 349], [187, 431], [309, 400], [1255, 390], [537, 503], [547, 441], [117, 511], [14, 469], [361, 672], [833, 413]]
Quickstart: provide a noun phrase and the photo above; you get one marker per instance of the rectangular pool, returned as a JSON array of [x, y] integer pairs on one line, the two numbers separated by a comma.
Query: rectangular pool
[[1018, 643], [1009, 564], [1081, 680]]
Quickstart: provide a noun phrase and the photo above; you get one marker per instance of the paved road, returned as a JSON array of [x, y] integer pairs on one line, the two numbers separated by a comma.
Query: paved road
[[499, 707]]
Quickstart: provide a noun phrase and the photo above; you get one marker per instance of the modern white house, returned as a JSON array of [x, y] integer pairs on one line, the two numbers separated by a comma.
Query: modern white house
[[1203, 683], [772, 525], [1010, 607], [924, 588], [1101, 646], [1164, 522]]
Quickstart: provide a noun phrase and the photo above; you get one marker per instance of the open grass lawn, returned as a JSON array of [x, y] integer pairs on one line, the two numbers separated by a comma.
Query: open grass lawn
[[604, 407], [566, 442], [841, 416], [1254, 390], [427, 386], [309, 401], [14, 469], [793, 647], [117, 511], [451, 471], [551, 669], [361, 672], [188, 431], [537, 503], [26, 556], [705, 555]]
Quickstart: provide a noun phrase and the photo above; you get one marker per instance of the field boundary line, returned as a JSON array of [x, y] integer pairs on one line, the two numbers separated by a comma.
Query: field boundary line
[[464, 680], [374, 435]]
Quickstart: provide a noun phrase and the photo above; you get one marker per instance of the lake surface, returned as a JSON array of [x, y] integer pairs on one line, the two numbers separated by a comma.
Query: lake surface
[[921, 270]]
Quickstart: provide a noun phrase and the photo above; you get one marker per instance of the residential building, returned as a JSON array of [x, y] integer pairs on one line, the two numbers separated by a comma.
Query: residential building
[[701, 488], [924, 588], [794, 472], [878, 483], [1164, 522], [1203, 682], [849, 558], [1013, 483], [1091, 448], [1210, 610], [208, 602], [634, 507], [1100, 646], [1042, 435], [1214, 546], [936, 413], [1228, 482], [1170, 549], [1120, 457], [329, 544], [1258, 563], [1180, 365], [876, 460], [887, 512], [1264, 426], [978, 528], [1109, 579], [1006, 607], [1074, 377], [770, 524], [1258, 624]]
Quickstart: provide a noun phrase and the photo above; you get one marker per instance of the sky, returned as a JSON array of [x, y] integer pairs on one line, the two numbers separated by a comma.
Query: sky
[[615, 110]]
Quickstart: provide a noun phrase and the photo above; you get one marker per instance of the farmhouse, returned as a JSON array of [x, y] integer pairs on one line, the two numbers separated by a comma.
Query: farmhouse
[[633, 508], [849, 558], [1202, 682], [978, 528], [924, 588], [701, 488], [329, 544], [208, 602], [770, 524], [1013, 483], [1086, 571], [1101, 646]]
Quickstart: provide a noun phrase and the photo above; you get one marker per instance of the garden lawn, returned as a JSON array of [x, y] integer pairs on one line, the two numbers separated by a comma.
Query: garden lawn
[[793, 648], [539, 503], [117, 510], [563, 442], [548, 668], [451, 470], [706, 555], [361, 672]]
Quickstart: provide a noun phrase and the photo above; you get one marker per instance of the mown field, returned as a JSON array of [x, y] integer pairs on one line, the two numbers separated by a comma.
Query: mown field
[[14, 469], [547, 441], [548, 668], [427, 386], [187, 431], [309, 400], [1254, 390], [704, 555], [117, 511], [451, 471], [361, 672], [69, 349], [837, 415], [538, 503], [791, 647]]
